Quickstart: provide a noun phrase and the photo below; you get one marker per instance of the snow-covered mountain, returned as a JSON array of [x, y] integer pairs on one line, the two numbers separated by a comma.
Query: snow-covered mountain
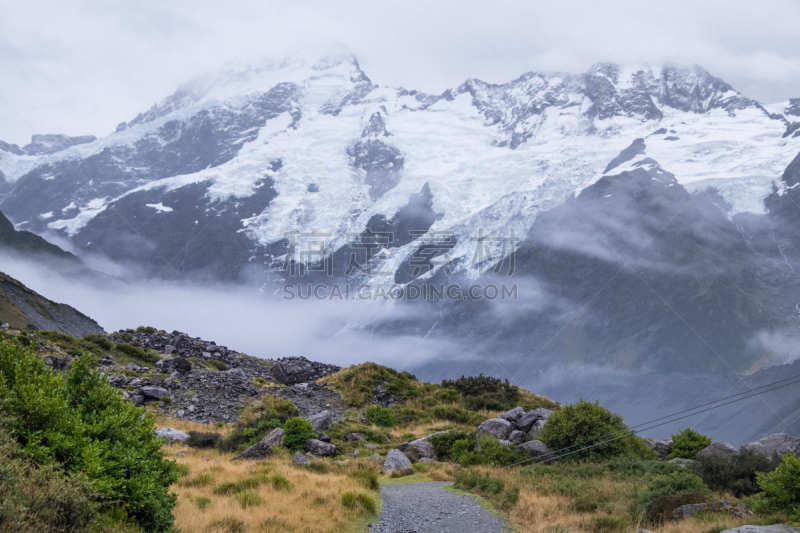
[[299, 146]]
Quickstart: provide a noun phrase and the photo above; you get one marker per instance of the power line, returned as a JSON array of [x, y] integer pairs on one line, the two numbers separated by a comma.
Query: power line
[[751, 394], [690, 409]]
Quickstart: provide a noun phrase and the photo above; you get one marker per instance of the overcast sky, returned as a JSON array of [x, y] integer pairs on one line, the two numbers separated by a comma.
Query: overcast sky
[[83, 66]]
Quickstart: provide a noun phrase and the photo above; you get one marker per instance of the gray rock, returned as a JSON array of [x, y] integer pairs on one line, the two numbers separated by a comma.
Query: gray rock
[[354, 436], [423, 450], [396, 461], [538, 450], [135, 382], [263, 448], [133, 367], [355, 453], [778, 444], [299, 459], [370, 446], [321, 421], [513, 415], [107, 361], [238, 372], [777, 528], [525, 422], [644, 531], [180, 413], [535, 429], [516, 436], [719, 448], [428, 437], [154, 393], [664, 448], [171, 435], [496, 427], [426, 461], [322, 449], [737, 509], [375, 457], [137, 399]]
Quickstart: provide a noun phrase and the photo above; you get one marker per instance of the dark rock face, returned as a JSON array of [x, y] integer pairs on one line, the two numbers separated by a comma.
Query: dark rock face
[[291, 370], [737, 509], [319, 448], [637, 147], [263, 448], [381, 161]]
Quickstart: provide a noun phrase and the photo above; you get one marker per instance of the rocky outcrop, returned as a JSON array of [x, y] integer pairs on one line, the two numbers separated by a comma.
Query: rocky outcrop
[[298, 459], [720, 448], [321, 422], [497, 427], [737, 509], [350, 437], [777, 528], [778, 444], [513, 415], [291, 370], [538, 450], [172, 435], [263, 448], [396, 461], [319, 448]]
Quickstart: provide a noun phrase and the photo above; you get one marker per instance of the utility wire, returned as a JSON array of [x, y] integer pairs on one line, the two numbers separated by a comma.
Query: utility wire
[[688, 410], [752, 394]]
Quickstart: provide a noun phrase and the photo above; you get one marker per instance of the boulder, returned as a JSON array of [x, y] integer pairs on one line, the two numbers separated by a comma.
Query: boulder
[[350, 437], [322, 449], [664, 448], [153, 393], [737, 509], [719, 448], [263, 448], [426, 461], [293, 370], [495, 426], [396, 461], [385, 399], [513, 415], [525, 422], [427, 437], [375, 457], [322, 421], [777, 528], [538, 450], [535, 429], [172, 435], [778, 444], [298, 459], [516, 437], [325, 438], [423, 449]]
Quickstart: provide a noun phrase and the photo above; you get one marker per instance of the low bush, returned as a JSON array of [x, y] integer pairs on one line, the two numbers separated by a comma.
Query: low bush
[[138, 353], [485, 392], [686, 443], [349, 500], [229, 524], [367, 503], [367, 478], [280, 482], [663, 506], [380, 416], [457, 415], [296, 432], [489, 451], [736, 473], [472, 480], [215, 364], [782, 485], [203, 479], [200, 439], [247, 499], [202, 502], [444, 444], [586, 424], [77, 422], [607, 524], [675, 483]]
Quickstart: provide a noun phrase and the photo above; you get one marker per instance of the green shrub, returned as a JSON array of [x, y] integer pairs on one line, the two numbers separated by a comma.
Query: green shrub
[[77, 422], [367, 503], [607, 524], [202, 502], [229, 524], [349, 500], [380, 416], [686, 443], [296, 432], [367, 478], [41, 499], [782, 485], [182, 469], [447, 395], [136, 352], [663, 506], [485, 392], [146, 329], [584, 424], [231, 488], [247, 499], [586, 504], [203, 479], [280, 482], [444, 444], [472, 480], [458, 415], [675, 483], [491, 452], [736, 473], [200, 439]]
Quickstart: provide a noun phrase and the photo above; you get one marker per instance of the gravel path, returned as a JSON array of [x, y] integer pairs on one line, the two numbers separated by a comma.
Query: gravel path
[[427, 508]]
